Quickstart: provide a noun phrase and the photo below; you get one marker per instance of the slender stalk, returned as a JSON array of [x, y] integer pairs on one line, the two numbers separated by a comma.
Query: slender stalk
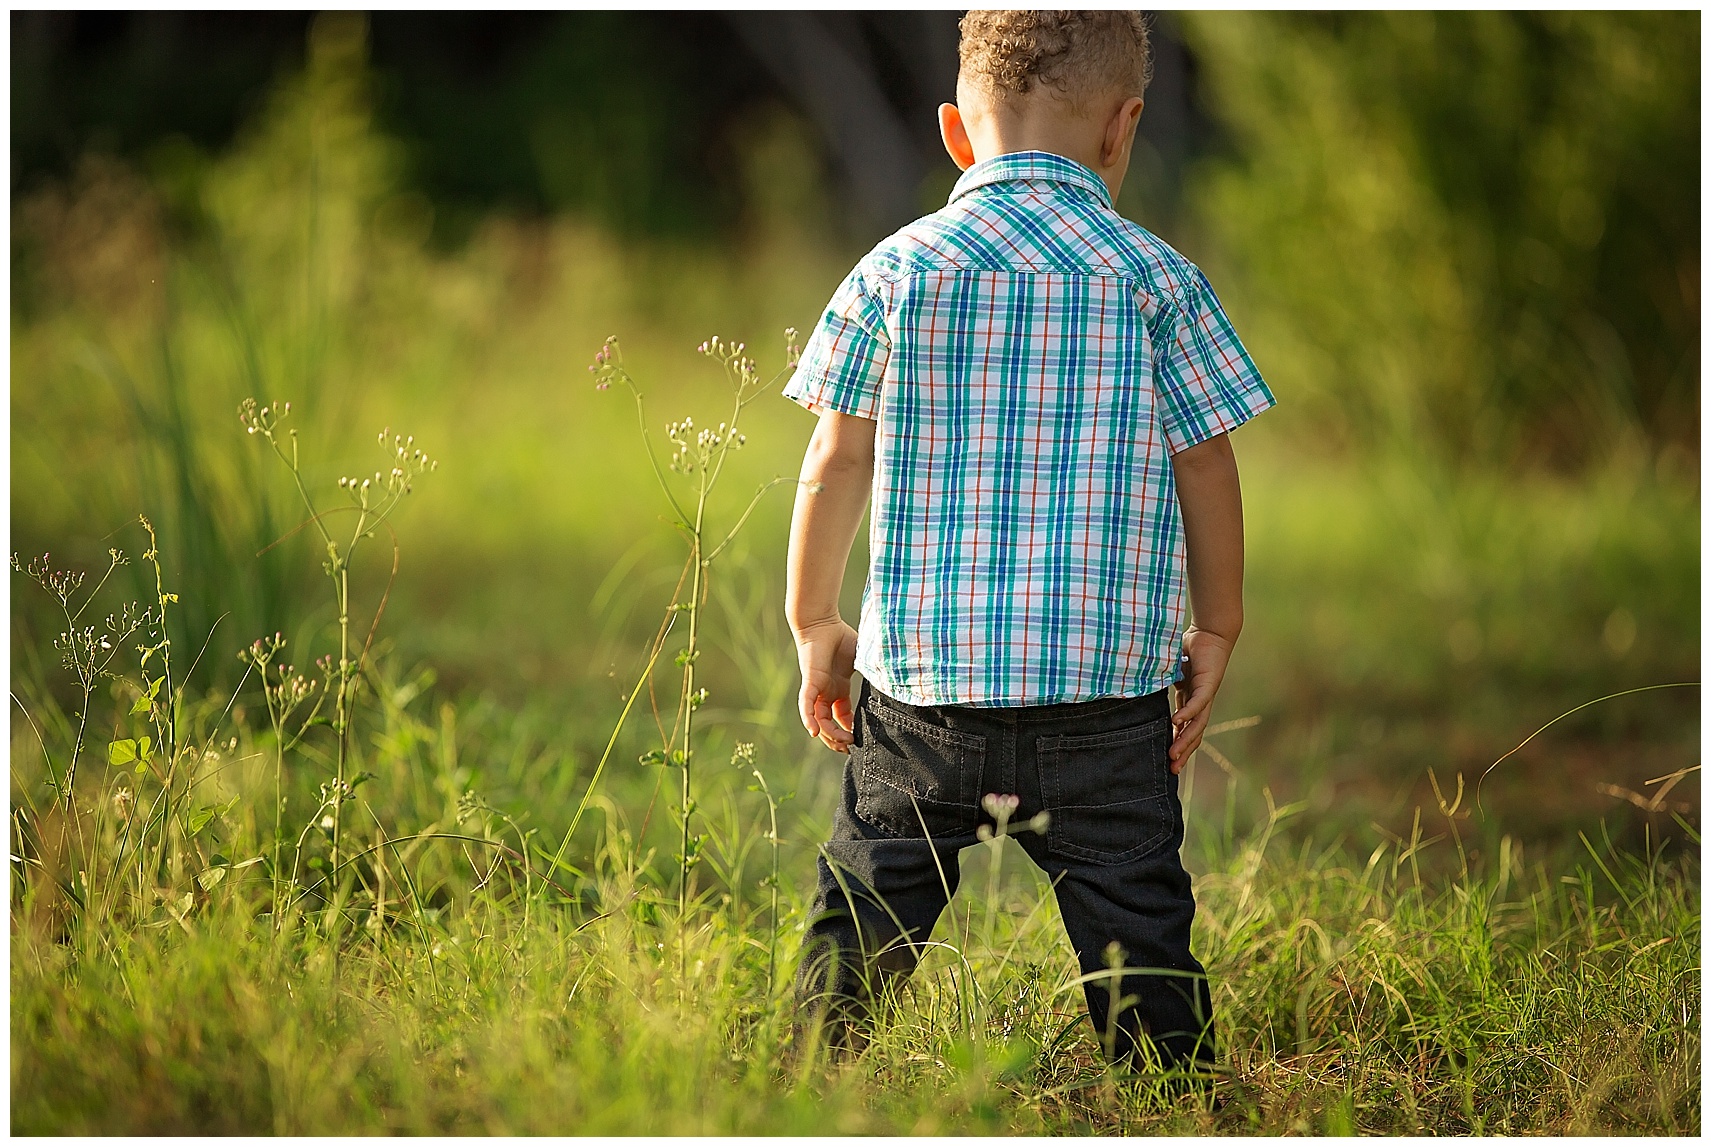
[[278, 792], [697, 579], [772, 931], [629, 702], [76, 748], [167, 728], [647, 442], [341, 711]]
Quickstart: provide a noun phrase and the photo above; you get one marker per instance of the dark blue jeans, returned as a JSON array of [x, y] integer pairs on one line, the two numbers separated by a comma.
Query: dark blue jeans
[[912, 788]]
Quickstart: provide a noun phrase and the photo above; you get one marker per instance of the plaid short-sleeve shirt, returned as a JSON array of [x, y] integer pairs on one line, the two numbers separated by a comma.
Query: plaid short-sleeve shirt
[[1033, 360]]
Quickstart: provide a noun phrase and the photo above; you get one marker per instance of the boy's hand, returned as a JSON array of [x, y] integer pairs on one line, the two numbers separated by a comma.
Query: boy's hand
[[826, 653], [1208, 657]]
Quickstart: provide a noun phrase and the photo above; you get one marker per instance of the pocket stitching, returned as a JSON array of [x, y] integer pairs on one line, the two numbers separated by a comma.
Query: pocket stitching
[[957, 746], [953, 737], [922, 797], [1050, 751], [1058, 843], [1109, 740], [874, 813]]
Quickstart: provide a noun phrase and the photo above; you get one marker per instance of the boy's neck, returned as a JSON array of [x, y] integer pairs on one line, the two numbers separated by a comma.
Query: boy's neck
[[1045, 123], [1035, 138]]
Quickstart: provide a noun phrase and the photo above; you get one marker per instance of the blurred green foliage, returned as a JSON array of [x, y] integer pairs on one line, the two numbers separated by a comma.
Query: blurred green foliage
[[1469, 232], [631, 118], [624, 117]]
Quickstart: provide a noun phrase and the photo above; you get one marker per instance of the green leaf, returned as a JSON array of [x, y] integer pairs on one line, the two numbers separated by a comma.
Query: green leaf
[[209, 877], [199, 820], [144, 748], [122, 752], [146, 702]]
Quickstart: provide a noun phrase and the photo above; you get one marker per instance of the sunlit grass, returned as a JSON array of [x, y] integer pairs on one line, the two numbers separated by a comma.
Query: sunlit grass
[[1351, 998]]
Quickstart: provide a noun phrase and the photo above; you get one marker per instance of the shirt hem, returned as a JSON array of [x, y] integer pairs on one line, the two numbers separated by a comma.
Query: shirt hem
[[815, 391], [1228, 420]]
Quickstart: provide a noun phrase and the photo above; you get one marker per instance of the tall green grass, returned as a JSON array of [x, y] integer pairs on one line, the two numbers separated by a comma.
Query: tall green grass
[[1354, 996]]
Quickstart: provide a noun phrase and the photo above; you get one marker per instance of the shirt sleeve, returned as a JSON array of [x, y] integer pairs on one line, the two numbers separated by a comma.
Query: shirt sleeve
[[843, 363], [1206, 383]]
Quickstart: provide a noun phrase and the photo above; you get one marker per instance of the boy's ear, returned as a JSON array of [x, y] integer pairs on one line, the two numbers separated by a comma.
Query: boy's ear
[[955, 135], [1120, 131]]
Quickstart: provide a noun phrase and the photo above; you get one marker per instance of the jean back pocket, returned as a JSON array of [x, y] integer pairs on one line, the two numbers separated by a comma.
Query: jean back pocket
[[1111, 796], [913, 777]]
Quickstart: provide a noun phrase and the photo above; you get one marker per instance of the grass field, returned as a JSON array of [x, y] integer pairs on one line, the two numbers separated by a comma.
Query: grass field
[[1355, 994], [456, 900]]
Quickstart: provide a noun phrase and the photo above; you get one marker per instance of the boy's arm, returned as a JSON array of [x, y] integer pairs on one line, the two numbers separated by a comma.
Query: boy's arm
[[837, 476], [1210, 494]]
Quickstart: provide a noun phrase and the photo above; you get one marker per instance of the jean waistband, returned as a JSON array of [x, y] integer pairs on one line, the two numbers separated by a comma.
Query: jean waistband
[[1145, 707]]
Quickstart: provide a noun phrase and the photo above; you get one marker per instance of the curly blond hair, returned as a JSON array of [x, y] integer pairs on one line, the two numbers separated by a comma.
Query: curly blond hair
[[1078, 55]]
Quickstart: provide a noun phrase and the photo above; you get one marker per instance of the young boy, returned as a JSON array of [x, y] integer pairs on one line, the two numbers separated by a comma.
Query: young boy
[[1036, 393]]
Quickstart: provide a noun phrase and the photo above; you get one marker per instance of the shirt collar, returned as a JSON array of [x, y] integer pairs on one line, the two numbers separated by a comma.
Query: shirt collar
[[1030, 165]]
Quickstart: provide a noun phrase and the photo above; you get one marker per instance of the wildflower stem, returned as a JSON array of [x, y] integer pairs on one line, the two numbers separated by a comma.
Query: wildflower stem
[[166, 725], [629, 702], [85, 683], [772, 930], [647, 442], [697, 580], [276, 719], [743, 520], [114, 563]]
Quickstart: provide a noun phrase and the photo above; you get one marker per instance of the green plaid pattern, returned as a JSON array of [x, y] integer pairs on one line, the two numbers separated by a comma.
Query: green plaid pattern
[[1033, 359]]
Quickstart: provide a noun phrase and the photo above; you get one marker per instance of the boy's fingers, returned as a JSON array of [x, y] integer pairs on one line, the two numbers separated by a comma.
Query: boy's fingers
[[831, 735], [1183, 748], [844, 715], [827, 725], [815, 712], [1193, 705], [1188, 731]]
